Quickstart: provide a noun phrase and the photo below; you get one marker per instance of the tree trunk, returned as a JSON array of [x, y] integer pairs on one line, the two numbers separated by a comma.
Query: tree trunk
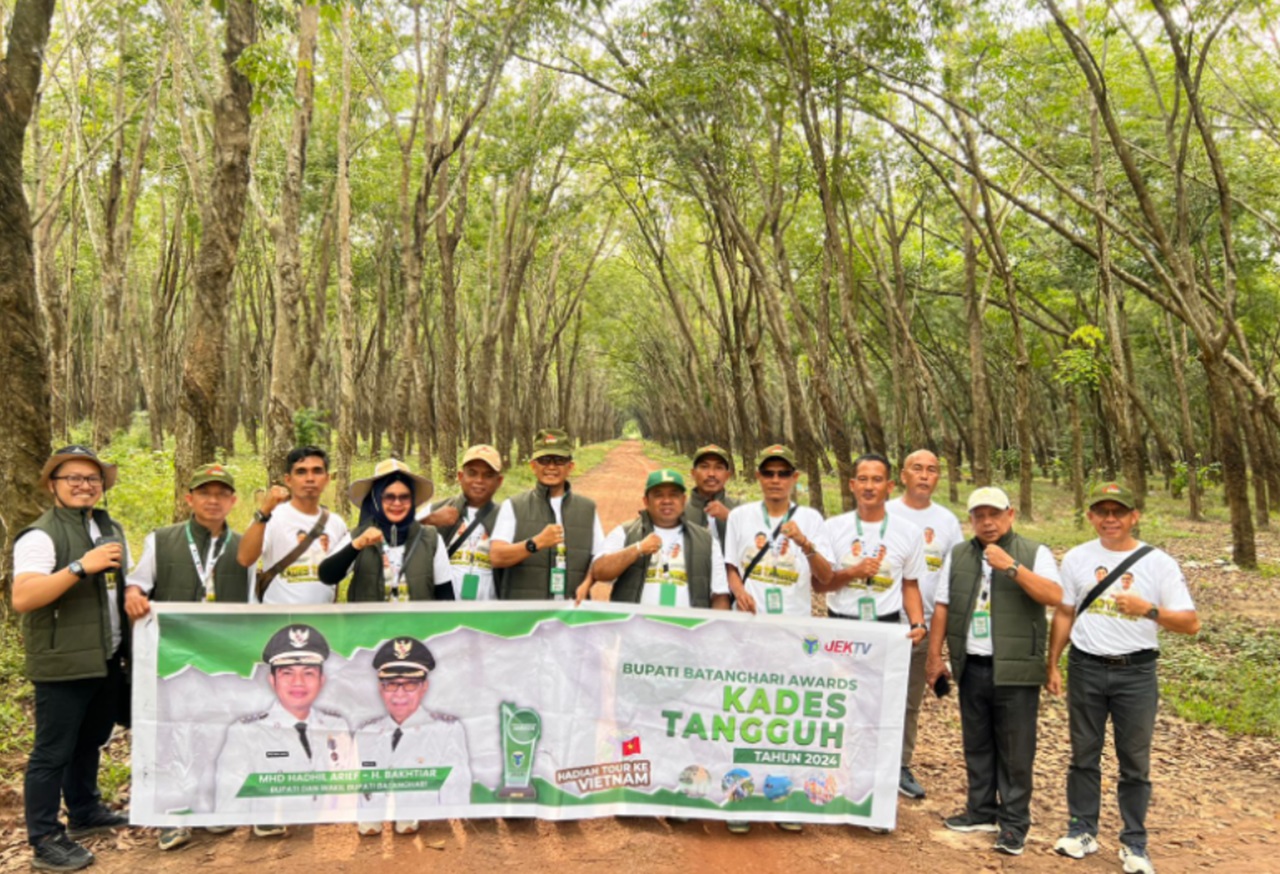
[[346, 444]]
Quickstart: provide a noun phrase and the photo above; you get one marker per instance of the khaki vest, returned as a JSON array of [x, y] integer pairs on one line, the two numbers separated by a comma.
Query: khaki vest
[[1018, 623], [367, 582], [70, 639], [697, 563], [176, 576], [695, 511], [530, 580]]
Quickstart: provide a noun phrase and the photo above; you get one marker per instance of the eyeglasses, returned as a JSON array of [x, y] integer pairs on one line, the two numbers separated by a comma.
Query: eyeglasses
[[76, 479], [390, 498], [552, 461], [401, 685], [1113, 513], [777, 474]]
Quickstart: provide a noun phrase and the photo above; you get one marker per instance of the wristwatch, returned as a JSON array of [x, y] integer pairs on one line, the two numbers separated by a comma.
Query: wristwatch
[[915, 625], [531, 545], [78, 569], [259, 516], [1013, 569], [1153, 614]]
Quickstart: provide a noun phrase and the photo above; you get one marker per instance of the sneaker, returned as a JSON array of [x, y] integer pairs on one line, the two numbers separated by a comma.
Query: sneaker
[[1010, 843], [270, 831], [219, 829], [791, 826], [1076, 846], [406, 826], [57, 852], [1136, 861], [908, 786], [369, 829], [102, 820], [966, 822], [172, 838], [737, 827], [679, 820]]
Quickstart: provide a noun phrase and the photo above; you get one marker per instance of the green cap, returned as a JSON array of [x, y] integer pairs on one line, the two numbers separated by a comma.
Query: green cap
[[1111, 492], [778, 451], [211, 473], [664, 477], [712, 449], [552, 441]]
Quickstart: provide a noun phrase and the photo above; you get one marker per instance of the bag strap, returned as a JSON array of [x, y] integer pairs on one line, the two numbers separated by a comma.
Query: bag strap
[[266, 578], [1096, 591], [759, 555], [466, 532]]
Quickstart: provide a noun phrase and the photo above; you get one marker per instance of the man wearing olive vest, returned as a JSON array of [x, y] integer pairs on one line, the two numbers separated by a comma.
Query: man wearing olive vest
[[66, 569], [708, 504], [657, 559], [990, 608], [191, 561], [546, 538]]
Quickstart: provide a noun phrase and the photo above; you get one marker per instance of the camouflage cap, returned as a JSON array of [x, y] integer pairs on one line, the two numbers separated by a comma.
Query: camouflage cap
[[403, 657], [1111, 492], [778, 451], [296, 645], [552, 441], [211, 473], [664, 477]]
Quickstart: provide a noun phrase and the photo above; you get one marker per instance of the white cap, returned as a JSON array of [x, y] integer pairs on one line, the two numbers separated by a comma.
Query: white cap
[[989, 496]]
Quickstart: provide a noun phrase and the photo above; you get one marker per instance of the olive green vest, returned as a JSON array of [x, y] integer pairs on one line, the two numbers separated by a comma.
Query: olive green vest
[[70, 638], [695, 511], [367, 582], [488, 515], [530, 580], [176, 576], [697, 563], [1018, 623]]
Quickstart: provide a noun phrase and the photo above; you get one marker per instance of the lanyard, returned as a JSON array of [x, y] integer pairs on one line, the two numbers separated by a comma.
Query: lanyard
[[764, 511], [884, 526], [404, 559], [215, 552]]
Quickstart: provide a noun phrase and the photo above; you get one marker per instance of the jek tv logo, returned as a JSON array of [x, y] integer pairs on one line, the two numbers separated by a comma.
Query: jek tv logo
[[851, 648]]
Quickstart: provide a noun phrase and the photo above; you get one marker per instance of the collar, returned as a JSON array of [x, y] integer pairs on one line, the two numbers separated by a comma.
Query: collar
[[544, 492]]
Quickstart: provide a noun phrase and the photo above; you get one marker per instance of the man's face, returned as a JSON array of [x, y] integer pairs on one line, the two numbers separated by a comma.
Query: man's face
[[920, 475], [1112, 520], [76, 484], [777, 479], [479, 482], [552, 470], [871, 485], [665, 503], [990, 524], [297, 687], [210, 504], [710, 474], [402, 696], [308, 477]]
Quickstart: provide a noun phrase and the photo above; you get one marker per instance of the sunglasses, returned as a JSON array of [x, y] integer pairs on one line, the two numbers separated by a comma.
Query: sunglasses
[[389, 498], [553, 461], [777, 474]]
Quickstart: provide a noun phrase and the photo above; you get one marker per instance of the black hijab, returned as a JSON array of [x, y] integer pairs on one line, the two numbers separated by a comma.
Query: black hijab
[[395, 533]]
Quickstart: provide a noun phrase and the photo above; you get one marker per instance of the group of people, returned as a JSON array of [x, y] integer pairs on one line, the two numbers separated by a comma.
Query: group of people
[[986, 600]]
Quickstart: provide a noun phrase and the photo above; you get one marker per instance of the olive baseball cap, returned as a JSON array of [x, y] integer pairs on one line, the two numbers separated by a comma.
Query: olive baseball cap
[[1111, 492], [486, 453], [664, 477], [552, 441], [778, 451], [989, 496], [211, 473], [712, 449]]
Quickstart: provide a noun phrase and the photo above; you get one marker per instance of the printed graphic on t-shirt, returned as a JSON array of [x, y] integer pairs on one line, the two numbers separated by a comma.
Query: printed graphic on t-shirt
[[307, 568], [1105, 604], [475, 552], [933, 550], [778, 566], [667, 566], [882, 581]]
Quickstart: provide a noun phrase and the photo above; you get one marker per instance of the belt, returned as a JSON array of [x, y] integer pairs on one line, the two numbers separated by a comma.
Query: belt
[[895, 616], [1141, 657], [979, 660]]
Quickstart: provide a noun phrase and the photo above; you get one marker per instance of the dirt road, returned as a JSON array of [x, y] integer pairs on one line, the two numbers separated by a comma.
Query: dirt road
[[1215, 808]]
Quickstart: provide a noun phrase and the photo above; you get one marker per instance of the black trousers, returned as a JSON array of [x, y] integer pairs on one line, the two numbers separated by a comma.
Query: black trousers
[[73, 722], [998, 725]]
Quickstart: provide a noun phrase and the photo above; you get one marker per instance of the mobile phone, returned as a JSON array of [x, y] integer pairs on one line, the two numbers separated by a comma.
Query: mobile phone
[[942, 686]]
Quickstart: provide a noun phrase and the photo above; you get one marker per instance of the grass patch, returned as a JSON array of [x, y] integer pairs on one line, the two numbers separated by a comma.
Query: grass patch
[[1224, 676]]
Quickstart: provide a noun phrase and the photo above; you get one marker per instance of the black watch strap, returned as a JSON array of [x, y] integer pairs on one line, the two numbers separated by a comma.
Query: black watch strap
[[259, 516], [77, 569], [531, 545]]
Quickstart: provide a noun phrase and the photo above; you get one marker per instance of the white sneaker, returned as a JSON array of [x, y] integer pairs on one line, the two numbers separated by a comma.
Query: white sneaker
[[219, 829], [1076, 846], [369, 829], [1136, 861], [270, 831], [406, 826]]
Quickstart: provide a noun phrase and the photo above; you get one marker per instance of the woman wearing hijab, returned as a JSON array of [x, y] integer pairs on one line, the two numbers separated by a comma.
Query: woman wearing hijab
[[391, 557]]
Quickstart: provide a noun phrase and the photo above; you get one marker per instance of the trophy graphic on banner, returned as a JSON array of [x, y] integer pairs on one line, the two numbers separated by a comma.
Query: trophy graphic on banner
[[521, 728]]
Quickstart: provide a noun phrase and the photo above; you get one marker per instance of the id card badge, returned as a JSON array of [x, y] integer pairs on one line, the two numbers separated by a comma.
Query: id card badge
[[208, 594], [470, 585], [773, 600], [981, 624], [867, 608], [557, 583], [667, 594], [389, 584]]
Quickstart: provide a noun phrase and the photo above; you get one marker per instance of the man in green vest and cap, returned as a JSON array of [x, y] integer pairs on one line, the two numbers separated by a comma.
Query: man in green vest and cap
[[467, 530], [708, 504], [990, 609], [66, 585], [545, 539], [192, 561], [659, 560]]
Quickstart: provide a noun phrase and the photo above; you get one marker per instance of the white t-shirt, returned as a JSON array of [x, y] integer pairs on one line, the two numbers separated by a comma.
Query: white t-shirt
[[504, 528], [979, 643], [34, 553], [1102, 629], [300, 582], [666, 567], [780, 581], [941, 530], [472, 561], [393, 560], [901, 547], [143, 575]]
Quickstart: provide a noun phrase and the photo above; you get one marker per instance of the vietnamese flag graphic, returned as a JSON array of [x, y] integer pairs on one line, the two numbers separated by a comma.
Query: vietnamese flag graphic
[[631, 747]]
